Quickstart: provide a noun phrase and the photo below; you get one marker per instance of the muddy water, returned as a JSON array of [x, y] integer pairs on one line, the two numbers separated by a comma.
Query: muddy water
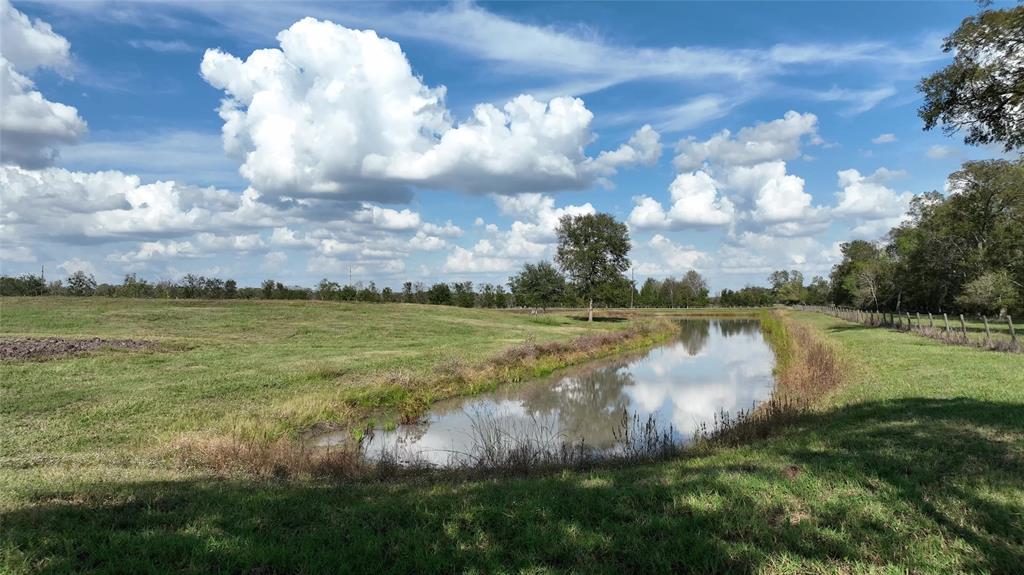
[[713, 365]]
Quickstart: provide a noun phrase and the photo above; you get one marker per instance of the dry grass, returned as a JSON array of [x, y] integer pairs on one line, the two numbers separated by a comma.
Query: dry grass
[[280, 459], [808, 368], [813, 369]]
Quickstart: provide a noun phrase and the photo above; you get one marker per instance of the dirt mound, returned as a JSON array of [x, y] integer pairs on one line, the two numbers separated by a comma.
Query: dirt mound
[[46, 347]]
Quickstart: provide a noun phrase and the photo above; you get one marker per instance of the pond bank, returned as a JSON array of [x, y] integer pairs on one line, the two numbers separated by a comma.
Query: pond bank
[[411, 395], [593, 411], [806, 369]]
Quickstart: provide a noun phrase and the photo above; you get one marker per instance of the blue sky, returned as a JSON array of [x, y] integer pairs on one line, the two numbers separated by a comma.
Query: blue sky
[[255, 140]]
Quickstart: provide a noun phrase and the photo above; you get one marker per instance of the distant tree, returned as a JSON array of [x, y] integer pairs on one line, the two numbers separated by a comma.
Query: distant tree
[[212, 288], [697, 289], [668, 292], [419, 293], [788, 286], [407, 296], [327, 290], [463, 294], [841, 278], [348, 293], [485, 297], [614, 293], [165, 289], [593, 251], [133, 286], [948, 241], [501, 297], [982, 91], [749, 296], [440, 294], [538, 285], [230, 289], [27, 284], [268, 289], [192, 286], [387, 295], [369, 293], [81, 284], [650, 294], [871, 283], [818, 291], [993, 292]]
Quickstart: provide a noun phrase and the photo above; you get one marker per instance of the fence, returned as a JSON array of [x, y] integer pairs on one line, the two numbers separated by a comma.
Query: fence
[[942, 328]]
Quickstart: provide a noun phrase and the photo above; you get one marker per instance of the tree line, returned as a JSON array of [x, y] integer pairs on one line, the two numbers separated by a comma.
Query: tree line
[[960, 252]]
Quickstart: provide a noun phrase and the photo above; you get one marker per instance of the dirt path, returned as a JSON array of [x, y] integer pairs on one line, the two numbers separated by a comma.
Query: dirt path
[[49, 347]]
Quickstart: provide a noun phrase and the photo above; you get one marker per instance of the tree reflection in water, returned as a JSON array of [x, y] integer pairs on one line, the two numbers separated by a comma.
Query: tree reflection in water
[[693, 334]]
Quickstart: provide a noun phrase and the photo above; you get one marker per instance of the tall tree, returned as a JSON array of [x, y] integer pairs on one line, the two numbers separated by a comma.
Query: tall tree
[[593, 251], [982, 91], [818, 291], [843, 272], [463, 294], [788, 286], [81, 284], [871, 283], [650, 293], [991, 292], [697, 288], [538, 285], [440, 294]]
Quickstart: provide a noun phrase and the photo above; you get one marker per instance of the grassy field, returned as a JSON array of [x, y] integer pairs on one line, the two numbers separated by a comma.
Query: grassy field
[[263, 369], [915, 464]]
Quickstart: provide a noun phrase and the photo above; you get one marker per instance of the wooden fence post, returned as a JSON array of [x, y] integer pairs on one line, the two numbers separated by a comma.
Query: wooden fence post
[[963, 327], [918, 320], [988, 334], [931, 320], [910, 324], [945, 318], [1013, 334]]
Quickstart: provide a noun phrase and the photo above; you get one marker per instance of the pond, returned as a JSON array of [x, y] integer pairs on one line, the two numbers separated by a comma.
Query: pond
[[712, 366]]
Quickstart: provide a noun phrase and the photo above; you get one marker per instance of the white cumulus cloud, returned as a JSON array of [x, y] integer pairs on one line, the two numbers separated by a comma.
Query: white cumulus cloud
[[865, 197], [696, 201], [775, 140], [31, 126], [339, 111]]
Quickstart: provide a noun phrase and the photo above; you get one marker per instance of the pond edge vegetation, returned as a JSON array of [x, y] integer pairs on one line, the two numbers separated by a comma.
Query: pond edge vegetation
[[251, 450], [807, 368]]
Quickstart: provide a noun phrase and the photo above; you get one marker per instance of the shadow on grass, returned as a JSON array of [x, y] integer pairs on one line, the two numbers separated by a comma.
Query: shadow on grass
[[923, 485], [603, 319], [848, 327]]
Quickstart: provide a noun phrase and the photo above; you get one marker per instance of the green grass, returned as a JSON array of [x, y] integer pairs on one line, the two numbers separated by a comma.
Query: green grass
[[259, 368], [915, 465]]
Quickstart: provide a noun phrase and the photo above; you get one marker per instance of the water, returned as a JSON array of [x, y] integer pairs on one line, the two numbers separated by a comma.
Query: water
[[713, 365]]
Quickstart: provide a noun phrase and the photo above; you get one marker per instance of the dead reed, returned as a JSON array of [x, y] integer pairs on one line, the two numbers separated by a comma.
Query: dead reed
[[278, 459], [807, 368]]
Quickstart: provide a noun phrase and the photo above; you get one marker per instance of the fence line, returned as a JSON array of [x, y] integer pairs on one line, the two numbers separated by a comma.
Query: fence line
[[904, 322]]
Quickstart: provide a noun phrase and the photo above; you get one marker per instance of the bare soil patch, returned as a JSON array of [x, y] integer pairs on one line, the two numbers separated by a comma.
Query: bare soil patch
[[51, 347]]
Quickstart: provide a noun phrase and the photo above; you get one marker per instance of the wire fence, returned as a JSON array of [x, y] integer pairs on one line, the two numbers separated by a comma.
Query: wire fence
[[998, 334]]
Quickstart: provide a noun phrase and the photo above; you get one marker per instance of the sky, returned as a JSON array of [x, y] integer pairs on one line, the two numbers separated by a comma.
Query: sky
[[393, 142]]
